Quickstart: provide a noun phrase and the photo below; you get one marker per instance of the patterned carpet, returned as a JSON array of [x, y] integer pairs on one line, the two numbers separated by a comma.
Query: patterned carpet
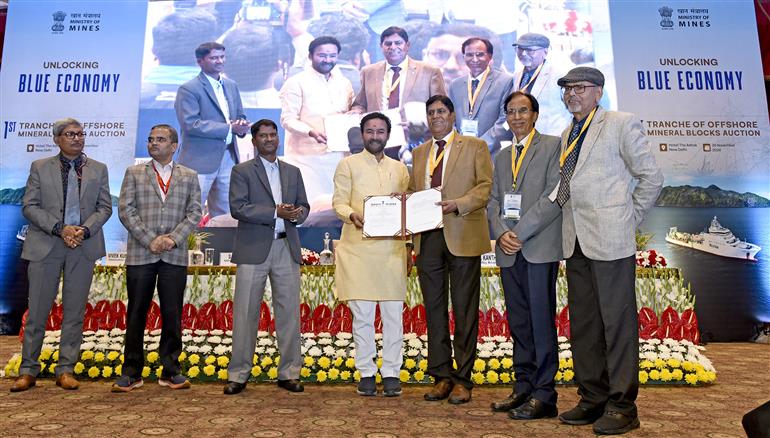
[[743, 382]]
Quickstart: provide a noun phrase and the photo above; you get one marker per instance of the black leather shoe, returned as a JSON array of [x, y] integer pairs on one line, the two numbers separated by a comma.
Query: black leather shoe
[[532, 410], [616, 423], [291, 385], [512, 402], [580, 416], [233, 388]]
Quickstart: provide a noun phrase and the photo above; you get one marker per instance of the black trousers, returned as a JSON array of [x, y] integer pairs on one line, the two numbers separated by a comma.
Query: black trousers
[[530, 299], [141, 281], [436, 265], [604, 329]]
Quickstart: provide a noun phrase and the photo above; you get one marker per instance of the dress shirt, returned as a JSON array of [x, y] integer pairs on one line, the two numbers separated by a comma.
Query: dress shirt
[[219, 91], [165, 175], [274, 178], [444, 159], [388, 80]]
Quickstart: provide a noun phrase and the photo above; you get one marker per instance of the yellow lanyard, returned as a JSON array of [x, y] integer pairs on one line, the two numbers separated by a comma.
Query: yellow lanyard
[[572, 145], [435, 160], [394, 84], [516, 164], [473, 96], [533, 77]]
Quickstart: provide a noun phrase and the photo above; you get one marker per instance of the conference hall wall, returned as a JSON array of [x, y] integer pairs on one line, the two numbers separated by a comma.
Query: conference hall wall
[[689, 70]]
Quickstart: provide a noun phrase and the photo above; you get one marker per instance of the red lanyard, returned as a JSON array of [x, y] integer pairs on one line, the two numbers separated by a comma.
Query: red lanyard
[[163, 185]]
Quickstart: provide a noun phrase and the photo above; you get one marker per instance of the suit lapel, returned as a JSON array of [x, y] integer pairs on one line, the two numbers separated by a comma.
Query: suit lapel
[[594, 129], [210, 92], [418, 170], [485, 87], [284, 175], [507, 180], [375, 90], [262, 175], [153, 180], [528, 157], [457, 147], [86, 176], [541, 80], [53, 172], [411, 77]]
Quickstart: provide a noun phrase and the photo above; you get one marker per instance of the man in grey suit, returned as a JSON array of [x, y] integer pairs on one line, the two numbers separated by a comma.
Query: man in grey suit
[[527, 227], [267, 196], [66, 201], [159, 206], [609, 181], [479, 96], [210, 114]]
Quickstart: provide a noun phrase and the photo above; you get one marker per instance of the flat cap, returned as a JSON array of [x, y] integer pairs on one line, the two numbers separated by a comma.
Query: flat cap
[[532, 40], [578, 74]]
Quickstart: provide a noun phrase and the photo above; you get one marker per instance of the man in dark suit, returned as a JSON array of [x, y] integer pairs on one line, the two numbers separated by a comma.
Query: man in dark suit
[[159, 206], [462, 168], [210, 114], [479, 96], [527, 227], [267, 197], [66, 201]]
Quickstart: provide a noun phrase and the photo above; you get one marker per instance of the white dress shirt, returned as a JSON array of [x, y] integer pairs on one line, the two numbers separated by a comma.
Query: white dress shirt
[[219, 92], [388, 80], [165, 175], [274, 178]]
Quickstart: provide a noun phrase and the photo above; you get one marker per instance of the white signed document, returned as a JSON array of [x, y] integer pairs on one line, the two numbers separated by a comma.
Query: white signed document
[[383, 215]]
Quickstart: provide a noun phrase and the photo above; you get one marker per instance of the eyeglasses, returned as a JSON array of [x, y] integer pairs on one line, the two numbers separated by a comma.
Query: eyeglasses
[[577, 89], [529, 50], [70, 134], [157, 139], [520, 111]]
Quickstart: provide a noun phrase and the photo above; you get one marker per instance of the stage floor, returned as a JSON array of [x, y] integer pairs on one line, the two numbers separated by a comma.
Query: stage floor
[[335, 410]]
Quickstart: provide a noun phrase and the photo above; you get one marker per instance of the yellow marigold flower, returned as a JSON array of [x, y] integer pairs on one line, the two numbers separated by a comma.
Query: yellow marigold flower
[[194, 359], [505, 377], [272, 373], [266, 362], [210, 359], [93, 372], [122, 359], [308, 361], [559, 376], [403, 375], [79, 367], [569, 375], [193, 372], [659, 363], [45, 353], [152, 356], [687, 366], [106, 371], [350, 363], [712, 376], [119, 370], [665, 375], [423, 365], [222, 361], [159, 371], [222, 374], [513, 375], [256, 370], [570, 363], [112, 356], [702, 375], [145, 372], [646, 364], [345, 375], [479, 365], [254, 359], [334, 374], [357, 376], [562, 363], [677, 374], [410, 363], [691, 379], [643, 376], [87, 355], [209, 370], [55, 355], [655, 375], [379, 362], [493, 364], [507, 363], [338, 361], [419, 375], [304, 372], [699, 367], [182, 356], [321, 376], [277, 360], [52, 368], [378, 378], [477, 378], [8, 369], [99, 357], [673, 363], [492, 377], [324, 362]]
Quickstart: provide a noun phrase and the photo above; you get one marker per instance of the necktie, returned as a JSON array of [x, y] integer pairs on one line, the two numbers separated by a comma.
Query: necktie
[[525, 77], [474, 85], [519, 148], [393, 97], [72, 206], [569, 166], [435, 179]]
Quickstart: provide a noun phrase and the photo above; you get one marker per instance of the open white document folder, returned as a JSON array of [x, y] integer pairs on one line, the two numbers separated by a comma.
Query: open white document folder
[[391, 216]]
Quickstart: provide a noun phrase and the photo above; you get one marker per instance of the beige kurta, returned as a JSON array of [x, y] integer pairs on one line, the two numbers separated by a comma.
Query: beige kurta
[[367, 269]]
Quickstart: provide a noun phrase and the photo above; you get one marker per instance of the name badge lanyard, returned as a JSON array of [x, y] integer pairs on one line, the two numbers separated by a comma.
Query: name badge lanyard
[[572, 145], [533, 77], [394, 84], [163, 185], [435, 160], [516, 164], [473, 96]]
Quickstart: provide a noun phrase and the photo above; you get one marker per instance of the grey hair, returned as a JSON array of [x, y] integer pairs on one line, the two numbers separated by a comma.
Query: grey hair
[[59, 125]]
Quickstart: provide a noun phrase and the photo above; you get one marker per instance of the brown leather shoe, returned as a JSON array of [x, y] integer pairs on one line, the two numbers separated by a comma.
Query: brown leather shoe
[[23, 383], [459, 395], [67, 381], [440, 390]]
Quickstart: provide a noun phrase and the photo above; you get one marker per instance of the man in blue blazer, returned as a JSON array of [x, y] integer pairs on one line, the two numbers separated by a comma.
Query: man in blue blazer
[[210, 114]]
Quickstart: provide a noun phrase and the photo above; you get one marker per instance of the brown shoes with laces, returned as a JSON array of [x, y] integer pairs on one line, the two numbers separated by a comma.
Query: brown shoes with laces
[[23, 383], [67, 381]]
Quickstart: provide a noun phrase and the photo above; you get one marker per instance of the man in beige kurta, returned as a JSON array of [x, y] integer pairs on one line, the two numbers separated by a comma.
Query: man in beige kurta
[[371, 271]]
